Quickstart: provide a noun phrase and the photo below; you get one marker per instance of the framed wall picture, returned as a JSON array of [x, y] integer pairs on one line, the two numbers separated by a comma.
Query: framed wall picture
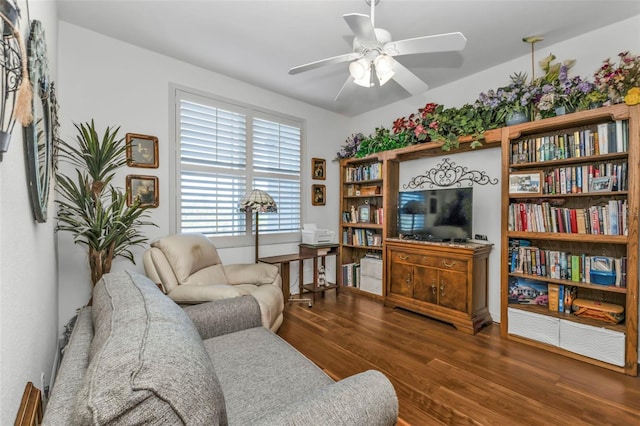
[[525, 183], [142, 188], [318, 168], [364, 213], [318, 195], [142, 150], [601, 184]]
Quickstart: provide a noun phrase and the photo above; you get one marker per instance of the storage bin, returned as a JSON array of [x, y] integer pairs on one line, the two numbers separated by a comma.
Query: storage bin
[[371, 284], [534, 326], [594, 342], [371, 267]]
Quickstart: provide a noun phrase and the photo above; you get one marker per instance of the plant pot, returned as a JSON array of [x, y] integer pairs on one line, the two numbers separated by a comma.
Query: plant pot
[[516, 117], [595, 105], [562, 110]]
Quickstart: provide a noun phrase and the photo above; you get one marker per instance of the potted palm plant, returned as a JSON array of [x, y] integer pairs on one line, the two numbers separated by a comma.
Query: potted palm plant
[[90, 207]]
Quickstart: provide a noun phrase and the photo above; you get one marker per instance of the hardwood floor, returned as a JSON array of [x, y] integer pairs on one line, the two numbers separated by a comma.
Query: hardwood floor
[[443, 376]]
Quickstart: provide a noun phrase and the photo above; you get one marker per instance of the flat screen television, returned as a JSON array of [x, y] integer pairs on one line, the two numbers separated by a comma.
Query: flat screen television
[[437, 214]]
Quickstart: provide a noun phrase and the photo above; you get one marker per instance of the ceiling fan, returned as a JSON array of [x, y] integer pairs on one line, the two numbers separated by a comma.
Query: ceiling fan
[[373, 52]]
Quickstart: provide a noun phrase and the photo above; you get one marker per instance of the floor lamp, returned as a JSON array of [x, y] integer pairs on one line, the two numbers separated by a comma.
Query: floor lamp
[[257, 201]]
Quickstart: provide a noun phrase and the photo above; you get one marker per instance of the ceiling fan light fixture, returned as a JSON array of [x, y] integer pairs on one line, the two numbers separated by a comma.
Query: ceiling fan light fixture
[[384, 68], [360, 70]]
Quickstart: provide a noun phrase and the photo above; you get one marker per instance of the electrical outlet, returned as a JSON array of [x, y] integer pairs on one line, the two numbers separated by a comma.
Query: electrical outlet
[[480, 237]]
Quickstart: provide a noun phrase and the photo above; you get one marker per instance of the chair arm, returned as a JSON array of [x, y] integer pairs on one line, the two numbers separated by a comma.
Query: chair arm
[[251, 273], [224, 316], [366, 399], [188, 294]]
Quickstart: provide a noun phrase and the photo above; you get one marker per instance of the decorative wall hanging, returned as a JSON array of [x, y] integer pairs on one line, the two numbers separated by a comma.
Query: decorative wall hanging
[[143, 189], [15, 89], [318, 195], [142, 151], [318, 168], [448, 174], [38, 134]]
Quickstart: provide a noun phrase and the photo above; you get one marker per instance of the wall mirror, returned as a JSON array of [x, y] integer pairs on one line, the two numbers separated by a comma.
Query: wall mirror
[[38, 136]]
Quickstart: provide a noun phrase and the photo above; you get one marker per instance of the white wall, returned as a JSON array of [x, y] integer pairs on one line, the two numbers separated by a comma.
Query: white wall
[[28, 280], [129, 87], [589, 50]]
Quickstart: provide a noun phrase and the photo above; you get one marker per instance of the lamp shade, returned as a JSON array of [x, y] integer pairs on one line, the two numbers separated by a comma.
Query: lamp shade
[[384, 68], [360, 70], [259, 201]]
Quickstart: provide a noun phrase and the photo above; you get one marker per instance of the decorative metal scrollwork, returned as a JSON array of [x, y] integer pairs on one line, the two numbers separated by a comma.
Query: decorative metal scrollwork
[[448, 174]]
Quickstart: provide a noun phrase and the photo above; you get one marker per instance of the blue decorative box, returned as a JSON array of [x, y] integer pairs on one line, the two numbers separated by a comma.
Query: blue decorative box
[[603, 277]]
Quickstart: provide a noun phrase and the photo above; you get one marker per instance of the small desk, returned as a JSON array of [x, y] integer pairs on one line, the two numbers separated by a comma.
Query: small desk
[[307, 251]]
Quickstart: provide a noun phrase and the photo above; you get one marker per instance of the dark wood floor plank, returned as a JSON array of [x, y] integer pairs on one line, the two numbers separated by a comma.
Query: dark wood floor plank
[[445, 377]]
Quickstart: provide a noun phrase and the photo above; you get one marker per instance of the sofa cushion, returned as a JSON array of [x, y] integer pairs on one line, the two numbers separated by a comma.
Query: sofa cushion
[[71, 371], [148, 364], [259, 376], [189, 253]]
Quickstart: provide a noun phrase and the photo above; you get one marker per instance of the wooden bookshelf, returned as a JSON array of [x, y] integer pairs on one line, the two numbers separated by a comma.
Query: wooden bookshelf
[[613, 346]]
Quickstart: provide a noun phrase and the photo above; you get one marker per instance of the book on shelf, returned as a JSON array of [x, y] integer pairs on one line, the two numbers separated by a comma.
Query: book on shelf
[[351, 274], [597, 139], [554, 294], [609, 219], [364, 172], [563, 265]]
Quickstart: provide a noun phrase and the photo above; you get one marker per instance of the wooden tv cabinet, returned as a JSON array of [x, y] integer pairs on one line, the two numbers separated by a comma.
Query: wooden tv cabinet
[[446, 281]]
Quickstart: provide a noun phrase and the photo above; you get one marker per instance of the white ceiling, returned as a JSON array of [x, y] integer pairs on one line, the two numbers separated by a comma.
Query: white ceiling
[[258, 41]]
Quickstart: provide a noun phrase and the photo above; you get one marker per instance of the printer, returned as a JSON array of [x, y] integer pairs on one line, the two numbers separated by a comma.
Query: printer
[[311, 234]]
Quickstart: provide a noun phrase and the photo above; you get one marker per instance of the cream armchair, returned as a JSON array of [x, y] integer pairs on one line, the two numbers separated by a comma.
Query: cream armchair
[[188, 269]]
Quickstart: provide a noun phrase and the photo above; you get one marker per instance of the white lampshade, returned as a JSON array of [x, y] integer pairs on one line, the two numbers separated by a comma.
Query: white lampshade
[[384, 68], [360, 70]]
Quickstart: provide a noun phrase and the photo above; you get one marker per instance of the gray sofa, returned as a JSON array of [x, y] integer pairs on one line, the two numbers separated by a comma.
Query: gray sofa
[[136, 357]]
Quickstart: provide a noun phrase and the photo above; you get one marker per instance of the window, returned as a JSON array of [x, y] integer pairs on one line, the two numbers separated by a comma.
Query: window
[[223, 151]]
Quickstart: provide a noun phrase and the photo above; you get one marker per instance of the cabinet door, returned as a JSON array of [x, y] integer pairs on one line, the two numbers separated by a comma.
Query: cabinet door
[[425, 284], [401, 280], [452, 290]]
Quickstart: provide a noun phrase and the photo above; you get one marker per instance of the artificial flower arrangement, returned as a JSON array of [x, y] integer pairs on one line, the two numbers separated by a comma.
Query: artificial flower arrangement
[[617, 79], [612, 83]]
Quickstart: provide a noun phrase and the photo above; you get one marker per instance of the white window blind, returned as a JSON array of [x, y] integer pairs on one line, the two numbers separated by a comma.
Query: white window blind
[[225, 150]]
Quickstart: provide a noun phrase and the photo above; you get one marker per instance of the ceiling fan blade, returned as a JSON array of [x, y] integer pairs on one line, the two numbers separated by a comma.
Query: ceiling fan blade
[[427, 44], [347, 88], [328, 61], [408, 80], [362, 27]]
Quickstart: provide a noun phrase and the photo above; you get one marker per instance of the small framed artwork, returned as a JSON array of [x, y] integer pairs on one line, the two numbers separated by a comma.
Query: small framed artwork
[[364, 213], [318, 194], [143, 189], [601, 184], [525, 183], [318, 168], [142, 151]]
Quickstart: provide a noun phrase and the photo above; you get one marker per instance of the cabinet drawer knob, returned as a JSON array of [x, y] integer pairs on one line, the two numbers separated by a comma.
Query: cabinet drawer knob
[[449, 265], [434, 288], [441, 289], [403, 257]]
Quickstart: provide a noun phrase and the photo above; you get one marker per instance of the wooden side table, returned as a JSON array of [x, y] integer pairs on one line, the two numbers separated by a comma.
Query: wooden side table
[[318, 253], [285, 272]]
